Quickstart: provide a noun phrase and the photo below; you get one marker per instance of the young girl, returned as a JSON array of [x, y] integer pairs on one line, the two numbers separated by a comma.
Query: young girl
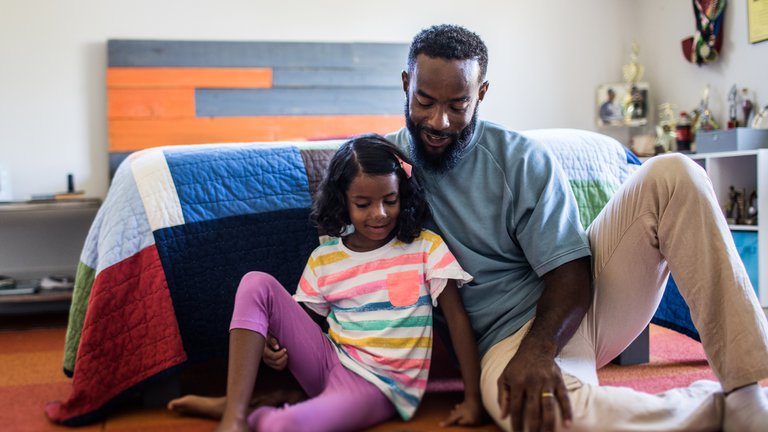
[[376, 284]]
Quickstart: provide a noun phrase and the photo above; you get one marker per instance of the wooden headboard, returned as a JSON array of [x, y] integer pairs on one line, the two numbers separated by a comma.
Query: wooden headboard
[[193, 92]]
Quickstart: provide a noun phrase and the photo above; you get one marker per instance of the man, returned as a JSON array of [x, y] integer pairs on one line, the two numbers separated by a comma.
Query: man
[[609, 111], [544, 320]]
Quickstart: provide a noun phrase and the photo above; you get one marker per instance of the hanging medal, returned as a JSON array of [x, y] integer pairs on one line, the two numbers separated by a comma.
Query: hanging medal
[[705, 45]]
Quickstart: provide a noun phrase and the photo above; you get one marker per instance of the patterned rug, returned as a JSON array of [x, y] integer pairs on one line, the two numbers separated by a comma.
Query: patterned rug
[[31, 361]]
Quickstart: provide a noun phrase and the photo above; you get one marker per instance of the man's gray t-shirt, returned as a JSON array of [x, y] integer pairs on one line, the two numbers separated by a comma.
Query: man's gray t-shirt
[[507, 213]]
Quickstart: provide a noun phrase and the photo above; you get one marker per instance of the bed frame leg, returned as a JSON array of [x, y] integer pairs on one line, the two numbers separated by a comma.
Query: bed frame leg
[[637, 352]]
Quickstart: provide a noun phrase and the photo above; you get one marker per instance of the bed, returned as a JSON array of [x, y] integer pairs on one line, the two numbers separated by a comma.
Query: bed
[[181, 224]]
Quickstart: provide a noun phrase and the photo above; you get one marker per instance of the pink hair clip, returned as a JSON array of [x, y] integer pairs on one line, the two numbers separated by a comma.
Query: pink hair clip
[[405, 166]]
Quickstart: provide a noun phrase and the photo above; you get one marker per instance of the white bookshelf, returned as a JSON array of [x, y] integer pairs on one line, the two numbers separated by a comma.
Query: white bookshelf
[[744, 170]]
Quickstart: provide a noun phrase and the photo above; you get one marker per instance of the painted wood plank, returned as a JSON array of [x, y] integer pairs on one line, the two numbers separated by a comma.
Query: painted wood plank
[[165, 53], [115, 159], [131, 135], [312, 101], [135, 77], [323, 77], [150, 103]]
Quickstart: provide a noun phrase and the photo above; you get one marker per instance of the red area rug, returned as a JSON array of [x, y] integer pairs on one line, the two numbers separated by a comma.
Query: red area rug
[[31, 365]]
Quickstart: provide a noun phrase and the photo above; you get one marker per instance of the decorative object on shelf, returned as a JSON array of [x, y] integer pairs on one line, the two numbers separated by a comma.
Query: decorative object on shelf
[[50, 283], [633, 71], [740, 210], [750, 214], [70, 193], [683, 133], [666, 135], [760, 117], [7, 282], [644, 145], [620, 104], [10, 286], [624, 104], [702, 116], [734, 206], [609, 111], [746, 106], [733, 95], [706, 44]]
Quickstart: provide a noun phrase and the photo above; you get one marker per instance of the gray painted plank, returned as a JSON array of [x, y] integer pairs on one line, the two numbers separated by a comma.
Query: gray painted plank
[[315, 77], [317, 101], [162, 53]]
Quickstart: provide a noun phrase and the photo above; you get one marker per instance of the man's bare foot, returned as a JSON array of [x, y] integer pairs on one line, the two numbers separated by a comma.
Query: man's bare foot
[[199, 406]]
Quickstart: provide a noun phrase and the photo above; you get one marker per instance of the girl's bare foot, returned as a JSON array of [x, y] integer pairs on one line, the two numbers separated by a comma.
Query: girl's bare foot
[[213, 407], [199, 406], [227, 425]]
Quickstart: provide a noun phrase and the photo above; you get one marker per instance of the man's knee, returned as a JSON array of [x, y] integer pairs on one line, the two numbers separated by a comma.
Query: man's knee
[[675, 168]]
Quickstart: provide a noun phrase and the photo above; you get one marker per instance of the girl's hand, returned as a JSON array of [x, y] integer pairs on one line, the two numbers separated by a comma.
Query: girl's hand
[[468, 413], [274, 356]]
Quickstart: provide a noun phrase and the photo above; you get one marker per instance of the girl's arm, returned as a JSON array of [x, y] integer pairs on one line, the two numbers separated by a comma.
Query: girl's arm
[[470, 412]]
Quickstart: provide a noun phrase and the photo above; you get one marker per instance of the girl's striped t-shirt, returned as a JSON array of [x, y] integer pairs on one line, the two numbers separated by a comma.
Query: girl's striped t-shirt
[[379, 309]]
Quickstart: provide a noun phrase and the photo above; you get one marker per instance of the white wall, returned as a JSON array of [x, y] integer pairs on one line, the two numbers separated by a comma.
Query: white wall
[[662, 24], [547, 59]]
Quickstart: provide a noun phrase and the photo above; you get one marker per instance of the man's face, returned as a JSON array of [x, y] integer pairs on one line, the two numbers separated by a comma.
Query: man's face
[[442, 97]]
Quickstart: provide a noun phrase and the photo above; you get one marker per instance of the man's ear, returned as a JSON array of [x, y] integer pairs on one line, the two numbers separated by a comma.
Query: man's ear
[[483, 89], [404, 76]]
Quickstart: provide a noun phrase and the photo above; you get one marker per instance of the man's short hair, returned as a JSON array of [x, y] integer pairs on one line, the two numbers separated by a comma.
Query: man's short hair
[[451, 42]]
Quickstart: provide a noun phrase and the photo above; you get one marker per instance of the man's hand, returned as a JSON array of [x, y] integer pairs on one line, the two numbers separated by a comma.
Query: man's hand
[[467, 413], [274, 356], [531, 388]]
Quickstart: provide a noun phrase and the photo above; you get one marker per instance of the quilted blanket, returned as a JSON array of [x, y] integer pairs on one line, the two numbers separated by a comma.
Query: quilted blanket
[[180, 226], [157, 276]]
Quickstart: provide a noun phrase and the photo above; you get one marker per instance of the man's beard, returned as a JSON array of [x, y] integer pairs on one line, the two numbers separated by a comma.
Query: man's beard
[[452, 154]]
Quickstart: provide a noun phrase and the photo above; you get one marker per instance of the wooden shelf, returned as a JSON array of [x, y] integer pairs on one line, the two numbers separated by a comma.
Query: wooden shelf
[[40, 296], [42, 238], [43, 205]]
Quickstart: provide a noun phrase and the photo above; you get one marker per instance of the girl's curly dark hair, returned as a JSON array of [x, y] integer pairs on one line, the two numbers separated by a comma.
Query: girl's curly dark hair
[[373, 155]]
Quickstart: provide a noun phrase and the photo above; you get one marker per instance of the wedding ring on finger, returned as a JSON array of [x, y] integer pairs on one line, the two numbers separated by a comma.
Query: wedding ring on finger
[[547, 394]]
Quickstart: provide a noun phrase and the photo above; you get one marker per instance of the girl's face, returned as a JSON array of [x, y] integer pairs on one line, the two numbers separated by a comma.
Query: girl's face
[[373, 203]]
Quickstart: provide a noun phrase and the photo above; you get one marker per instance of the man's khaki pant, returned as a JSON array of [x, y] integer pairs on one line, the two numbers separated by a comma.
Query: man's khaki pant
[[664, 218]]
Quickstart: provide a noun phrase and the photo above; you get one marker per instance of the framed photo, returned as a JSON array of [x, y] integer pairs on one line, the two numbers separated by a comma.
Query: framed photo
[[757, 10], [622, 104]]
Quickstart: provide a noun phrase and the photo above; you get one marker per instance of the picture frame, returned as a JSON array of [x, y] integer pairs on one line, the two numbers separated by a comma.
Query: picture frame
[[757, 12], [622, 104]]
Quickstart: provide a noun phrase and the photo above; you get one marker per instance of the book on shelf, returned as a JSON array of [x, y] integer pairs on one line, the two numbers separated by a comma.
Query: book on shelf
[[59, 196], [11, 286], [69, 195]]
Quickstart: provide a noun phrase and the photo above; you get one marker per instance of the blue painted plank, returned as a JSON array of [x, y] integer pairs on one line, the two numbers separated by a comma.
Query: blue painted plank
[[315, 101], [159, 53]]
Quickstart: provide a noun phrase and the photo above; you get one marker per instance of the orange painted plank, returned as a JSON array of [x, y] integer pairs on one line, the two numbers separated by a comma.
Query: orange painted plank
[[144, 77], [131, 103], [131, 135]]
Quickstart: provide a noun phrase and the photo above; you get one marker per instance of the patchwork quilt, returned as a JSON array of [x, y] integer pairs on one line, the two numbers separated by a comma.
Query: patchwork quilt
[[157, 276], [180, 226]]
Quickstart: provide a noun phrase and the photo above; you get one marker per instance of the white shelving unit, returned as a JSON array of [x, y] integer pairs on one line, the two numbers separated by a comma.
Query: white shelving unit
[[744, 170], [38, 239]]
